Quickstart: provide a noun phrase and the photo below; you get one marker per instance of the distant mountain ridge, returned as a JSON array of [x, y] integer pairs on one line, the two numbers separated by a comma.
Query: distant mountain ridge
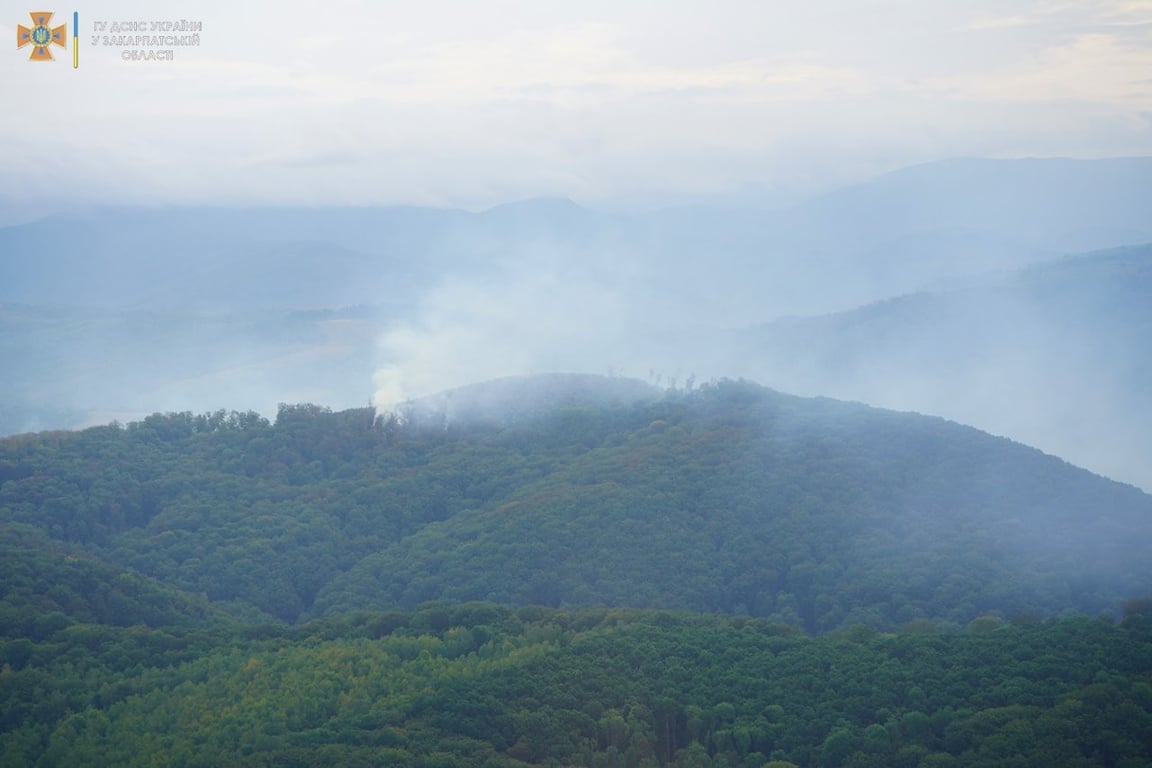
[[913, 228], [1065, 204], [1054, 354], [888, 236]]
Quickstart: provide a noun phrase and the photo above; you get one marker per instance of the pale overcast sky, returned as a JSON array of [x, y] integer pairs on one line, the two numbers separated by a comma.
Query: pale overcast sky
[[628, 102]]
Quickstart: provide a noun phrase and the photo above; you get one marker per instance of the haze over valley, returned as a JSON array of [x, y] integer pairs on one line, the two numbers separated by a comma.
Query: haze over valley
[[343, 307], [518, 384]]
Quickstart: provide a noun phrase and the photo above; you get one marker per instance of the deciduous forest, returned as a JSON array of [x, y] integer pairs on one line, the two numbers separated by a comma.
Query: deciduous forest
[[712, 576]]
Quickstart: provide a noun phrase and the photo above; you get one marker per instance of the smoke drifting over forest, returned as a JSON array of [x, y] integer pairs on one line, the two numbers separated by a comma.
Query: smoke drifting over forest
[[1047, 354], [912, 291], [555, 308], [649, 384]]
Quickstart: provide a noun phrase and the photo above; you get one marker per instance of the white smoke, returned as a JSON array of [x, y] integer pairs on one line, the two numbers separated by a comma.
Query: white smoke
[[536, 315]]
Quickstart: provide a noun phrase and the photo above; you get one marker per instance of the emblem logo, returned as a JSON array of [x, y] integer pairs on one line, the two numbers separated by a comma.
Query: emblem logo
[[41, 36]]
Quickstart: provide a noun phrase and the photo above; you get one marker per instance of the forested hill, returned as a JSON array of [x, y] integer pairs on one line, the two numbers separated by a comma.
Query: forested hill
[[1003, 352], [731, 498]]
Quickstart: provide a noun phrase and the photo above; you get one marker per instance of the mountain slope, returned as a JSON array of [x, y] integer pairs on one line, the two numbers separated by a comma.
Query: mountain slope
[[813, 512], [733, 498], [1054, 355], [46, 585]]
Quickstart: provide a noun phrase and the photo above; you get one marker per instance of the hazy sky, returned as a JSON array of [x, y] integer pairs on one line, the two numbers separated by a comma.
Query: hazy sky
[[608, 102]]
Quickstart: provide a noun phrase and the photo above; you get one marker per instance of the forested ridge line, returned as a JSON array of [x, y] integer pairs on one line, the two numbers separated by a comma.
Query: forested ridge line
[[732, 498]]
